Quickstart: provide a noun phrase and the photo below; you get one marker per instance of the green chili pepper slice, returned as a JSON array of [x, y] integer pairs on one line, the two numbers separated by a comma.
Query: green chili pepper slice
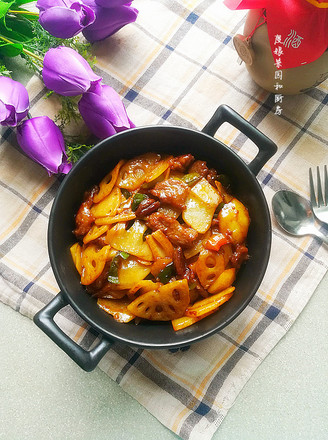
[[114, 266], [191, 178], [218, 209], [192, 285], [137, 199], [148, 231], [224, 179], [167, 273], [125, 193]]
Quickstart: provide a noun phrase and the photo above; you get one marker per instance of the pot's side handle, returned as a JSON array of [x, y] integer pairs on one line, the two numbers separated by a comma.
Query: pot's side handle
[[88, 360], [266, 146]]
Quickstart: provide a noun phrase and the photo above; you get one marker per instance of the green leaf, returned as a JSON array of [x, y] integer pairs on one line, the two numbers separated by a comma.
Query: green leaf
[[21, 2], [4, 6], [17, 30], [4, 71], [10, 50], [76, 151]]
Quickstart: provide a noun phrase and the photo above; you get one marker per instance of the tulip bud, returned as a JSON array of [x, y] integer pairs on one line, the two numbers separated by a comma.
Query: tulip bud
[[43, 142], [66, 72], [64, 18], [14, 102], [103, 111], [108, 20], [112, 3]]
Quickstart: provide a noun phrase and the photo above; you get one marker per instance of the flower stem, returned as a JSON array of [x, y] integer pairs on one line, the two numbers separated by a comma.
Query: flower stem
[[27, 52], [5, 39], [34, 14], [33, 55]]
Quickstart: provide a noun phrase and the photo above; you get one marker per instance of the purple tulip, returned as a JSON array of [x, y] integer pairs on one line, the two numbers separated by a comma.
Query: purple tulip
[[66, 72], [64, 18], [108, 20], [103, 111], [112, 3], [14, 102], [42, 141]]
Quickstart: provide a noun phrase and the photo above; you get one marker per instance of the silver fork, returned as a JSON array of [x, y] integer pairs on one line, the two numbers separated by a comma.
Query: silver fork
[[319, 203]]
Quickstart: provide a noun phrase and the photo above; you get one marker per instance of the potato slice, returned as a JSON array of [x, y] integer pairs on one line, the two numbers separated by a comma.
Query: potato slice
[[118, 218], [164, 304], [208, 267], [93, 262], [108, 205], [76, 252], [94, 232], [108, 182], [197, 214], [135, 171], [131, 272], [206, 192], [169, 211], [131, 240], [117, 308], [234, 221], [201, 204]]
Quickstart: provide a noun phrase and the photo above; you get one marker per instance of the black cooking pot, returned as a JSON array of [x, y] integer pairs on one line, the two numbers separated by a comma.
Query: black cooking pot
[[90, 170]]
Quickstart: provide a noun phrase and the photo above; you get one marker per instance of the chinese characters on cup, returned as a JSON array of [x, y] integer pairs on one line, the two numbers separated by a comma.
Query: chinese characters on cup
[[293, 40]]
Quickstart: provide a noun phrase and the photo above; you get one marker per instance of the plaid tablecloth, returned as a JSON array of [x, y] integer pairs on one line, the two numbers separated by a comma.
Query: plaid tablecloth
[[176, 65]]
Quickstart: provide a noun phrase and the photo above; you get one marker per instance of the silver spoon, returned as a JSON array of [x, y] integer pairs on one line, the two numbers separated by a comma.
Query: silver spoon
[[294, 214]]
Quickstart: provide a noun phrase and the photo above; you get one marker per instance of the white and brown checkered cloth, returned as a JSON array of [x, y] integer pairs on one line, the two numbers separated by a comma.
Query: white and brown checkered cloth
[[176, 65]]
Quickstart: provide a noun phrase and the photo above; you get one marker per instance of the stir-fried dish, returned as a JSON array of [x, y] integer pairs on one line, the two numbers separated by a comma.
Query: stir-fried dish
[[160, 238]]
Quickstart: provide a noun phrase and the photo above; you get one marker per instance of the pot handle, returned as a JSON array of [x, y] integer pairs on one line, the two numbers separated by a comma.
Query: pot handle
[[266, 146], [88, 360]]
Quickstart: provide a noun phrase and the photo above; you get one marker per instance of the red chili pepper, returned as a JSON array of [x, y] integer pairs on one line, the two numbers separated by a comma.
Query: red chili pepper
[[215, 242]]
